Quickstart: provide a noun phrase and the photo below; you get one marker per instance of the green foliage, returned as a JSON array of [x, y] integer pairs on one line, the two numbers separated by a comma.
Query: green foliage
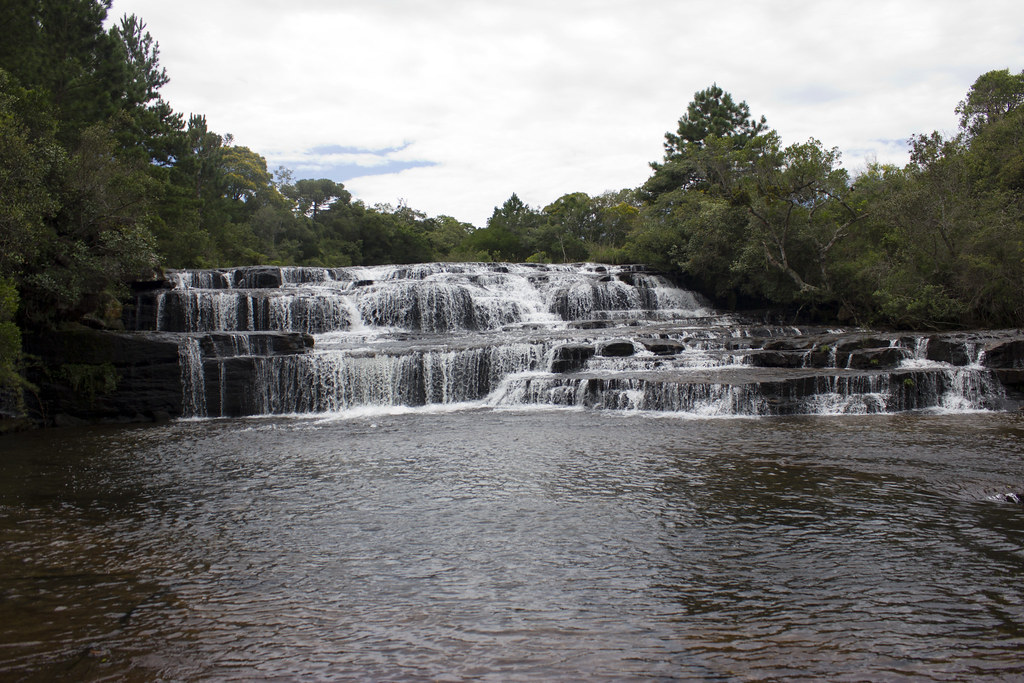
[[801, 209], [992, 97], [702, 154], [712, 114], [59, 48], [953, 219], [89, 380], [445, 234], [10, 336], [148, 125], [29, 157], [939, 243], [312, 196]]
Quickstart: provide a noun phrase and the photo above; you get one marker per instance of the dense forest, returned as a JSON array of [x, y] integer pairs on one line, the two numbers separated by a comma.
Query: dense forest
[[102, 182]]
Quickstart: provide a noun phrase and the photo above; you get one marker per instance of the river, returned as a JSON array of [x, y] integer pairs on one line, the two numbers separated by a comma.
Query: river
[[462, 542]]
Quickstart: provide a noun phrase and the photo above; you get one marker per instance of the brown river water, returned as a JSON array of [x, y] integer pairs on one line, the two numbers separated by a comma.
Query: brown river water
[[515, 545]]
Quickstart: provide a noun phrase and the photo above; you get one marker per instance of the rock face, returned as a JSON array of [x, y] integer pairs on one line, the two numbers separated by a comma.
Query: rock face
[[93, 375], [86, 375]]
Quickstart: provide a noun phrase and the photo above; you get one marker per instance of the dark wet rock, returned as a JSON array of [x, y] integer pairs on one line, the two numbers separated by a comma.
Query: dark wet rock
[[628, 278], [592, 324], [787, 344], [1005, 354], [777, 359], [92, 375], [224, 344], [86, 375], [571, 357], [876, 359], [229, 386], [847, 345], [742, 344], [141, 313], [616, 348], [950, 350], [1012, 379], [258, 277], [821, 357], [663, 347]]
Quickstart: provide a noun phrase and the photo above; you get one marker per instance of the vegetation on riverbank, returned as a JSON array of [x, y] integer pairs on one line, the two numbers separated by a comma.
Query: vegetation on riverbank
[[102, 182]]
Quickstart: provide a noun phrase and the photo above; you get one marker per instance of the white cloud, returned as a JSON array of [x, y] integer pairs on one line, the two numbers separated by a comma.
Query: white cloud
[[544, 98]]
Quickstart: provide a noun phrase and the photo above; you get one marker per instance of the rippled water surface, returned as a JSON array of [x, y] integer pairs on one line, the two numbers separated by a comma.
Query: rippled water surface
[[515, 545]]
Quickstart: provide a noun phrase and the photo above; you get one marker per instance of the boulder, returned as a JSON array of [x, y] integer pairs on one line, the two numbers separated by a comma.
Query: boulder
[[877, 359], [776, 359], [616, 348], [571, 357], [1004, 354], [259, 277], [848, 345], [663, 347], [947, 350]]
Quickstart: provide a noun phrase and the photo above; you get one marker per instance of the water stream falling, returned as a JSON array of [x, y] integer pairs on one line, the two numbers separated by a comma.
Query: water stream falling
[[265, 340]]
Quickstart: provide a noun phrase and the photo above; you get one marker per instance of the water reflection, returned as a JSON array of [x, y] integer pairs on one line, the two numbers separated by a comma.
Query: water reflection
[[496, 544]]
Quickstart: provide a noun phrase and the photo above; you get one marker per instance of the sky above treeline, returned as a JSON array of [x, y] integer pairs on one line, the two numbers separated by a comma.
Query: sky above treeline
[[453, 105]]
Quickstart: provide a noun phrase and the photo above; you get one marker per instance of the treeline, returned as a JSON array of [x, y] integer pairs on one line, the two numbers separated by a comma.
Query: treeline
[[102, 182], [937, 243]]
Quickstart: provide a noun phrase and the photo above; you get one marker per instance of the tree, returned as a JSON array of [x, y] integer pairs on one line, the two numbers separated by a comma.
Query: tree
[[712, 113], [701, 153], [994, 95], [97, 240], [312, 196], [61, 48], [515, 217], [10, 336], [446, 234], [150, 122], [576, 214], [245, 177], [29, 159], [509, 235], [799, 200], [951, 224]]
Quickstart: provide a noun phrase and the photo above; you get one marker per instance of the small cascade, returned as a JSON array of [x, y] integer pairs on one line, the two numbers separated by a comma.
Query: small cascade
[[192, 381], [274, 340]]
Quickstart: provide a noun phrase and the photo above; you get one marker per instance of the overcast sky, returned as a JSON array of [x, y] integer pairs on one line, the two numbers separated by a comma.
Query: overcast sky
[[453, 105]]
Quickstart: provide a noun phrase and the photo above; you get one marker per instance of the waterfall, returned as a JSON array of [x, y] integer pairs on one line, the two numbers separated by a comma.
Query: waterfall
[[270, 340], [193, 385]]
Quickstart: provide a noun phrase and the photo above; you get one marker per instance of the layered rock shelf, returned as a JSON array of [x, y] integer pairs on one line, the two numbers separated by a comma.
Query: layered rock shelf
[[267, 340]]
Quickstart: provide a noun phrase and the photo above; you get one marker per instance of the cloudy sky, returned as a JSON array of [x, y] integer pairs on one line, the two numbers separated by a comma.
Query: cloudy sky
[[452, 105]]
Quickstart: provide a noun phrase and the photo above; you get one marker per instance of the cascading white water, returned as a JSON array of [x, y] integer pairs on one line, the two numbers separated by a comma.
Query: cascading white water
[[582, 335], [192, 381]]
